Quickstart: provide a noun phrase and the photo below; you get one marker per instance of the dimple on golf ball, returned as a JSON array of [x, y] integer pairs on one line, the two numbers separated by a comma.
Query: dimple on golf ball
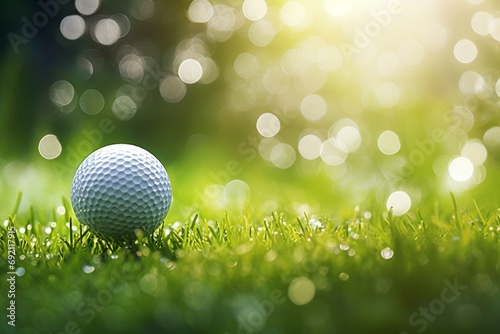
[[120, 189]]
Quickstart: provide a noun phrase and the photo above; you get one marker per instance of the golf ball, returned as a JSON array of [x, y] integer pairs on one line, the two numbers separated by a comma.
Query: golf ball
[[120, 189]]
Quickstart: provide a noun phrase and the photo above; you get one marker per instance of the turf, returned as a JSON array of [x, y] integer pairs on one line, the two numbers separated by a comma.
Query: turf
[[362, 272]]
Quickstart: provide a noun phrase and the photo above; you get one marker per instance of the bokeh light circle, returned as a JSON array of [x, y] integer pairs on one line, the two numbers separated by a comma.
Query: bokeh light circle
[[350, 137], [283, 155], [107, 31], [310, 147], [333, 152], [480, 23], [475, 151], [254, 9], [61, 93], [313, 107], [190, 71], [465, 51], [92, 102], [87, 7], [399, 202], [172, 89], [388, 142], [301, 291], [246, 65], [268, 125], [200, 11], [124, 108], [461, 169], [295, 15], [49, 147], [72, 27]]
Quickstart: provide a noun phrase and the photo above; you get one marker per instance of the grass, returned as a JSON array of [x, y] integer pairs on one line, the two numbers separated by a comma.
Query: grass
[[365, 271]]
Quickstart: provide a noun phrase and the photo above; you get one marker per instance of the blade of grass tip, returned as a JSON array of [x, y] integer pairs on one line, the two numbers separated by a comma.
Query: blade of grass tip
[[198, 232], [301, 226], [71, 233], [17, 203], [214, 234], [422, 222], [220, 230], [159, 240], [189, 230], [224, 228], [102, 246], [308, 226], [268, 232], [458, 221], [66, 243], [177, 243], [248, 229], [152, 239], [483, 221], [32, 216], [80, 237], [193, 221], [11, 222], [355, 214], [278, 221]]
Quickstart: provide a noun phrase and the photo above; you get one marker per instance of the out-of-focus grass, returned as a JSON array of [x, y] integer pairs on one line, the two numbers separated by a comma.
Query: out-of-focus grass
[[356, 272]]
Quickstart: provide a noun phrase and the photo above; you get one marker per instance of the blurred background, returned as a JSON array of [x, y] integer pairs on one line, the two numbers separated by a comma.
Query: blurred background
[[254, 106]]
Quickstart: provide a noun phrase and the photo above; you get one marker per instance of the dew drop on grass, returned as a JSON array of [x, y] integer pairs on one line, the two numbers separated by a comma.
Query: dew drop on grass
[[387, 253], [344, 247], [114, 256], [88, 269], [61, 210]]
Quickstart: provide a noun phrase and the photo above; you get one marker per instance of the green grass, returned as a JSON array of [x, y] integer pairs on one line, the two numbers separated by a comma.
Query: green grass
[[247, 274]]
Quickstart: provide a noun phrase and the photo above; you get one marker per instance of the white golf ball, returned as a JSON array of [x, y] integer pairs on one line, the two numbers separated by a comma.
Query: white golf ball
[[120, 189]]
